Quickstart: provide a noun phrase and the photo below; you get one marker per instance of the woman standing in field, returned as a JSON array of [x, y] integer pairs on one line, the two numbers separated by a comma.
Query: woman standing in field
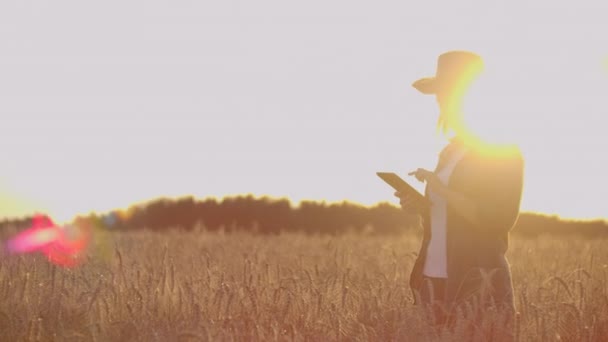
[[474, 194]]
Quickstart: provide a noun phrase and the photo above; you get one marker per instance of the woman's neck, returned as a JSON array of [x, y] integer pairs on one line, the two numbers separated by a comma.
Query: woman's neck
[[465, 139]]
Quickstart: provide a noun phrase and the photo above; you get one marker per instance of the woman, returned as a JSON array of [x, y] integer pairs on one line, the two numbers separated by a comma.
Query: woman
[[475, 194]]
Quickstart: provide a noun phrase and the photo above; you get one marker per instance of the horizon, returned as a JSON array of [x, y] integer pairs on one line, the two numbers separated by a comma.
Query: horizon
[[293, 204], [304, 101]]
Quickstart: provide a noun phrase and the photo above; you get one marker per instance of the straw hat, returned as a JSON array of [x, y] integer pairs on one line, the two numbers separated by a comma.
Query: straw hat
[[454, 68]]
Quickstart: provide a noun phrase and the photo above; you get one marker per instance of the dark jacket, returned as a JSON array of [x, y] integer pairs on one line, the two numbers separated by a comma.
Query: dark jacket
[[476, 262]]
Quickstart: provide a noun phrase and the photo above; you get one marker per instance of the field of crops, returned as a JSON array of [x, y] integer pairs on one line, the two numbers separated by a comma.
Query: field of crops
[[175, 286]]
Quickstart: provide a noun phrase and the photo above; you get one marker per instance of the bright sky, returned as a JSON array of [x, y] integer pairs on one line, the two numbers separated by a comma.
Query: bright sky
[[105, 103]]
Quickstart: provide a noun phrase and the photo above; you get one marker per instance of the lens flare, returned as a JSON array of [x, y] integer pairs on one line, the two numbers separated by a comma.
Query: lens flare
[[62, 245]]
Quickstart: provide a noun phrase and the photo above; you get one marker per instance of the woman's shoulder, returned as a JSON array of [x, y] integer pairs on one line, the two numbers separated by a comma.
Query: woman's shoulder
[[502, 156]]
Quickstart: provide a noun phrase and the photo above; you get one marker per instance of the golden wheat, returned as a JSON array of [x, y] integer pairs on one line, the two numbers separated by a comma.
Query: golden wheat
[[197, 286]]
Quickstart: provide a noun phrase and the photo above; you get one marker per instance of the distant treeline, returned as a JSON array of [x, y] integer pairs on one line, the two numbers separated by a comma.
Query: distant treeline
[[261, 215], [267, 215]]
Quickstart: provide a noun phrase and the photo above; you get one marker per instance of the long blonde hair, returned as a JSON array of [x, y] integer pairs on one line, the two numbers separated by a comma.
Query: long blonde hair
[[453, 92]]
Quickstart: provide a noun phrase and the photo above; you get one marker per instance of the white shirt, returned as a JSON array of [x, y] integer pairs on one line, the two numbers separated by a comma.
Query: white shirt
[[435, 265]]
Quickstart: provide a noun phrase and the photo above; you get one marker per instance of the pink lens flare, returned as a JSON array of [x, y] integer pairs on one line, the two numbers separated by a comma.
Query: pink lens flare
[[55, 242], [41, 233]]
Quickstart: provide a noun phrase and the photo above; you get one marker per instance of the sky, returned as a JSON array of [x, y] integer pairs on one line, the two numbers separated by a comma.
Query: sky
[[108, 103]]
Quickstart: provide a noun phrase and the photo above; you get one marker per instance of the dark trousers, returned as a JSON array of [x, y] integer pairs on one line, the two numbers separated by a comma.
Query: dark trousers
[[433, 296]]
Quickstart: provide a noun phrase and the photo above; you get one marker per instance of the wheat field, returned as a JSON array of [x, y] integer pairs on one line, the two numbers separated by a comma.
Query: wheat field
[[202, 286]]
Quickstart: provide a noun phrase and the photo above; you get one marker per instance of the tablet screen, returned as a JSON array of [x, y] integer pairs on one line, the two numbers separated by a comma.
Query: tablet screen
[[400, 185]]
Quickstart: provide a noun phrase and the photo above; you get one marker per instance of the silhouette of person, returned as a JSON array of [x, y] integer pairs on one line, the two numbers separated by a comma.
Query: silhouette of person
[[474, 192]]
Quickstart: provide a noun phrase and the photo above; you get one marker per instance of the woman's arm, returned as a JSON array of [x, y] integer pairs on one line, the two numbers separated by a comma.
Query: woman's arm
[[464, 206], [494, 199]]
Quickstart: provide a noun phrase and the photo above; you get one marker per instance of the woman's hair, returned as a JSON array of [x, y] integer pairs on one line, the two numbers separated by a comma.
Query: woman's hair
[[451, 94]]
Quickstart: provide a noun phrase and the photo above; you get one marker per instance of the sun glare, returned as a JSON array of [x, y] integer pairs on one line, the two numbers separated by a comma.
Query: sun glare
[[484, 111]]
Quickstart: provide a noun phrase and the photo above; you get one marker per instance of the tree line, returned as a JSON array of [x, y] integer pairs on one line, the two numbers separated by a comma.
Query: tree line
[[269, 215]]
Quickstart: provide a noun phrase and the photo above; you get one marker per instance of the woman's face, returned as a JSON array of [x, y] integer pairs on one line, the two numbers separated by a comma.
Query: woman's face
[[444, 100], [449, 109], [440, 98]]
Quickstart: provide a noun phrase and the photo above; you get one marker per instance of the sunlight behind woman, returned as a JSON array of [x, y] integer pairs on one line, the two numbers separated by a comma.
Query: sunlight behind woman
[[486, 111]]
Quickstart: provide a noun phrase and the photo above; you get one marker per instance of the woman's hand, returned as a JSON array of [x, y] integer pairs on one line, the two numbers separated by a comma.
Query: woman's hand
[[431, 179], [408, 203], [459, 202]]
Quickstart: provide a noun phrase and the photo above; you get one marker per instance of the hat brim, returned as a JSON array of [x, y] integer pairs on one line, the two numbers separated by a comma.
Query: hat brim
[[427, 85]]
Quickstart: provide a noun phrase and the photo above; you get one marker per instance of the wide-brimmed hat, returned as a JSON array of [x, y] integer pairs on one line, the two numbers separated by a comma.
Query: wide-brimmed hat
[[454, 68]]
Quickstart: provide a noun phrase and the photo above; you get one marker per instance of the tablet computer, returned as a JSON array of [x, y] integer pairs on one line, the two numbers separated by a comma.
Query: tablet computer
[[402, 186]]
